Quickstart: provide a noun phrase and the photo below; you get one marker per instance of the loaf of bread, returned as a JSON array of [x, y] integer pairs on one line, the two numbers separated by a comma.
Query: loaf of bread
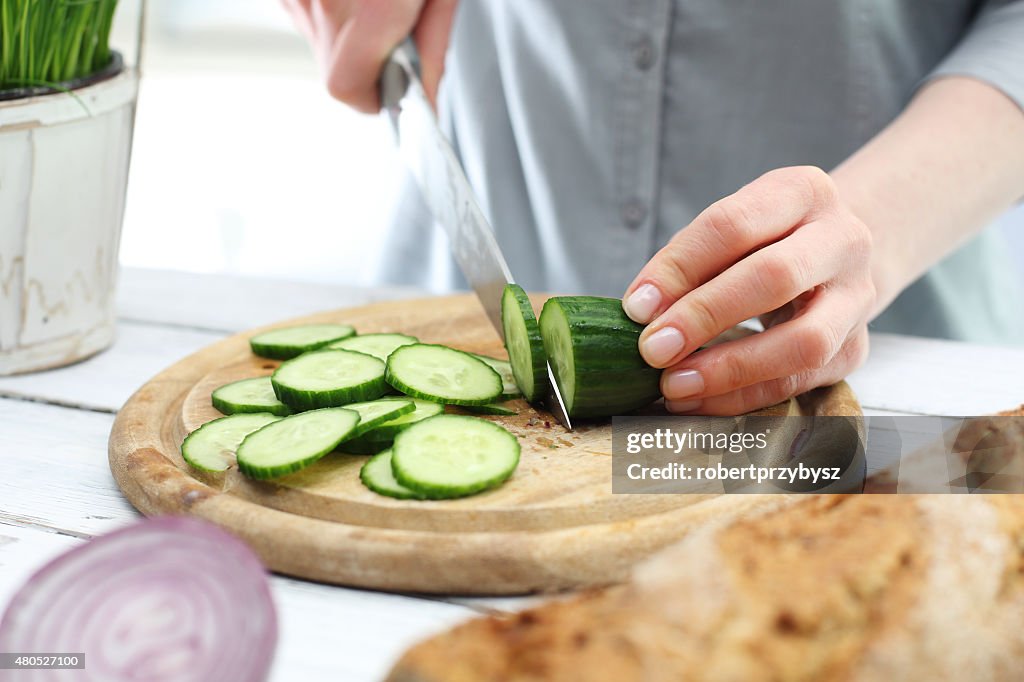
[[853, 588]]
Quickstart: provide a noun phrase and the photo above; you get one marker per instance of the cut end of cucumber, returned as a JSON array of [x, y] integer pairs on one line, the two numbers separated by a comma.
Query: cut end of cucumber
[[282, 344], [523, 342], [453, 456], [554, 329]]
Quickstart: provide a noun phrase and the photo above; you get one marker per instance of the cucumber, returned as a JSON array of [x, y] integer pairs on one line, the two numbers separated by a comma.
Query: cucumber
[[453, 456], [376, 412], [282, 344], [592, 347], [509, 388], [212, 446], [423, 409], [442, 375], [493, 408], [294, 442], [365, 445], [376, 475], [523, 342], [381, 437], [379, 346], [329, 378], [248, 395]]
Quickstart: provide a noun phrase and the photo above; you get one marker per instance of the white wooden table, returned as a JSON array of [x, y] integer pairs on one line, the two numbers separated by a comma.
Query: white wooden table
[[56, 489]]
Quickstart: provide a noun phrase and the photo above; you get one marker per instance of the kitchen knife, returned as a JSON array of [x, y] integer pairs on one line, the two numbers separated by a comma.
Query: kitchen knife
[[448, 194]]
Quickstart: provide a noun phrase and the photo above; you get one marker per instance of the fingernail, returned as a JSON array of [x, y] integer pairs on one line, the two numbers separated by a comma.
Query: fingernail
[[660, 347], [641, 304], [683, 384], [677, 406]]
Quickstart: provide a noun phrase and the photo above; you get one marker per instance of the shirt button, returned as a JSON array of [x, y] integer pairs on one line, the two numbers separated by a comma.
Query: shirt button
[[643, 53], [633, 213]]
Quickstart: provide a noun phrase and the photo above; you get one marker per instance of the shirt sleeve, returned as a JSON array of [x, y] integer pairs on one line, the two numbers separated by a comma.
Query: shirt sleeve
[[992, 50]]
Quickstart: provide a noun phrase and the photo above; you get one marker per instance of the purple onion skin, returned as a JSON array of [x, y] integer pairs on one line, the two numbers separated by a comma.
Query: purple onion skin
[[172, 599]]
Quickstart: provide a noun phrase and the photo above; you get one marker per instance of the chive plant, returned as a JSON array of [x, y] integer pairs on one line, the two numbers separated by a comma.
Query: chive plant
[[47, 42]]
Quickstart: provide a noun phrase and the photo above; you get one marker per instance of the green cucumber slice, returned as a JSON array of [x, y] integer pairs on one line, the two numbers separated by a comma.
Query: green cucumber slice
[[212, 446], [282, 344], [364, 445], [376, 475], [386, 432], [523, 342], [592, 347], [376, 412], [494, 409], [329, 378], [443, 375], [379, 346], [294, 442], [248, 395], [453, 456], [509, 388]]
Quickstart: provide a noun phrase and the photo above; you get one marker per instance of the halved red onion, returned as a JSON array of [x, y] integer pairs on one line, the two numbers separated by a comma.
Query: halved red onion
[[172, 598]]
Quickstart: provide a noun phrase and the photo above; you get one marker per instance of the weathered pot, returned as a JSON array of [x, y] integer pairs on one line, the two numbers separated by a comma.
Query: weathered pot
[[63, 174]]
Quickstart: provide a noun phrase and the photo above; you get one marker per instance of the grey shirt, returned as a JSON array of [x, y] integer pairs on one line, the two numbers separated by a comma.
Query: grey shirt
[[593, 130]]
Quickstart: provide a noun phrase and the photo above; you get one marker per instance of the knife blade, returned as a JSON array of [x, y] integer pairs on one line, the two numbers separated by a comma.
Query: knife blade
[[426, 151]]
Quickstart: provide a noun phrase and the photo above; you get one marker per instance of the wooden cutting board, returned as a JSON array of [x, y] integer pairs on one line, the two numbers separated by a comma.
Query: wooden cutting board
[[555, 524]]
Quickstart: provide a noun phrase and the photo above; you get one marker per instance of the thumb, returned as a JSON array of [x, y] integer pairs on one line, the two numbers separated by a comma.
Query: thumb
[[431, 37]]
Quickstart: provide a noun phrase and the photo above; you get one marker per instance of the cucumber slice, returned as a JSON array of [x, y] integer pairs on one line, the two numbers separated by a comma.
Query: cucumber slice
[[453, 456], [378, 345], [376, 412], [509, 388], [282, 344], [443, 375], [329, 378], [523, 342], [294, 442], [494, 409], [365, 445], [423, 409], [248, 395], [212, 446], [376, 475], [592, 347]]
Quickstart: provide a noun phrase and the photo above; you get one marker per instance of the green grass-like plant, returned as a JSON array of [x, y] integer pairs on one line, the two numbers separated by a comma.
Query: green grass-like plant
[[47, 42]]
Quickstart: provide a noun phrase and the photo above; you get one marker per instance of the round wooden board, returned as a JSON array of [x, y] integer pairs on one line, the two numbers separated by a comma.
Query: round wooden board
[[555, 524]]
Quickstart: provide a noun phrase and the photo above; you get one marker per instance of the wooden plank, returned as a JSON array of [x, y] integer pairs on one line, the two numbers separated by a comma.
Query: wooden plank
[[232, 302], [326, 633], [105, 381], [933, 376], [55, 469]]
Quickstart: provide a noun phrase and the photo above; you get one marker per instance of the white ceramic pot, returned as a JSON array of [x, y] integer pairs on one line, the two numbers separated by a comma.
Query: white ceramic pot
[[63, 174]]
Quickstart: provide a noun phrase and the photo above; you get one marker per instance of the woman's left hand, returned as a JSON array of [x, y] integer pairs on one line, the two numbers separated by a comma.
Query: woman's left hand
[[785, 248]]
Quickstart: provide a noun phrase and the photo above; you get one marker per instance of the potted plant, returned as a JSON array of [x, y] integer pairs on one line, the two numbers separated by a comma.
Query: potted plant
[[67, 108]]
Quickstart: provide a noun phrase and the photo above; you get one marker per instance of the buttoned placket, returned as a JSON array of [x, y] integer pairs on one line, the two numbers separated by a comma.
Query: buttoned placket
[[638, 133]]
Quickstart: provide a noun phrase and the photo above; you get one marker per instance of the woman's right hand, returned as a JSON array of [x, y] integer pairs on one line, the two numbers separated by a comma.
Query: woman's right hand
[[353, 38]]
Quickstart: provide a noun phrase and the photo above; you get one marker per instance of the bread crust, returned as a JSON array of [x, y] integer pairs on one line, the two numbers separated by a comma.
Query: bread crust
[[852, 588]]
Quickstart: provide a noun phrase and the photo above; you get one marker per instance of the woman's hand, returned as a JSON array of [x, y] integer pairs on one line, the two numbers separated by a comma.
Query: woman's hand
[[353, 38], [785, 248]]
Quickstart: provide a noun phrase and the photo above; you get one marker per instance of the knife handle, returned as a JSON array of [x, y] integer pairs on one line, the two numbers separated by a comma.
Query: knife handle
[[402, 66]]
